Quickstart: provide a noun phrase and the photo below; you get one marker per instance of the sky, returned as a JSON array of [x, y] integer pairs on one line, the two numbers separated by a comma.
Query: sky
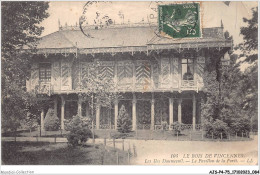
[[211, 14]]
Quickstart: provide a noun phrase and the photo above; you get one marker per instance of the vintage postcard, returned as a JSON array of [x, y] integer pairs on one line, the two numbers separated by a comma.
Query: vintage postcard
[[129, 83]]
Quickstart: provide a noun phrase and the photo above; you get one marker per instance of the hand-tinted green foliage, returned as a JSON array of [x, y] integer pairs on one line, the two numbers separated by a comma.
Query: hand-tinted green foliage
[[79, 131], [20, 26], [124, 123], [51, 121]]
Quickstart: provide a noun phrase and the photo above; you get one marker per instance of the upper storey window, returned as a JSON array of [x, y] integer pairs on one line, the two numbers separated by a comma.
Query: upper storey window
[[187, 65], [45, 72]]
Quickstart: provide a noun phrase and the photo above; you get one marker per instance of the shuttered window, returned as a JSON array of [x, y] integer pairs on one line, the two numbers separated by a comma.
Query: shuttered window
[[45, 72]]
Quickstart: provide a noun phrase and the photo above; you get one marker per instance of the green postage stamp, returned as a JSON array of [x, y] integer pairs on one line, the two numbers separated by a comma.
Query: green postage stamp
[[180, 20]]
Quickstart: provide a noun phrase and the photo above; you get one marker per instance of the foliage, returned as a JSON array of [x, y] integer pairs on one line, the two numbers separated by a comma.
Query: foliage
[[241, 125], [248, 85], [31, 122], [231, 95], [250, 36], [15, 105], [177, 127], [79, 131], [51, 121], [164, 125], [98, 90], [216, 128], [124, 123], [20, 26]]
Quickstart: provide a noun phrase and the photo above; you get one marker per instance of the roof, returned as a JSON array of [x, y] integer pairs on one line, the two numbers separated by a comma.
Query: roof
[[123, 36]]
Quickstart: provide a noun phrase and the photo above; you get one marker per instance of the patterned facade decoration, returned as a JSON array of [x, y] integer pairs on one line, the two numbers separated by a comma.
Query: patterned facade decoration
[[75, 75], [165, 73], [66, 75], [125, 74], [143, 75], [106, 69], [55, 72], [200, 70], [34, 75], [156, 75], [84, 72], [175, 78]]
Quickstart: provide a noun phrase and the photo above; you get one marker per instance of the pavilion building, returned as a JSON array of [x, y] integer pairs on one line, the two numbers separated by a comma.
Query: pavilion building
[[159, 79]]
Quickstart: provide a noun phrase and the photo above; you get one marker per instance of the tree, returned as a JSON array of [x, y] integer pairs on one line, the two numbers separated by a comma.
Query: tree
[[124, 123], [51, 121], [231, 94], [250, 36], [79, 131], [98, 90], [20, 27], [249, 84], [31, 121]]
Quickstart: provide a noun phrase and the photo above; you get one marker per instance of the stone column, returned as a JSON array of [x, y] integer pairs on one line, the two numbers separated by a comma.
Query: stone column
[[193, 112], [97, 115], [152, 112], [116, 113], [56, 106], [42, 119], [170, 111], [134, 112], [62, 112], [179, 110], [79, 105]]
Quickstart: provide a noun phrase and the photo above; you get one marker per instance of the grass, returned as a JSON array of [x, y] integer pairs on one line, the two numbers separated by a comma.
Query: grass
[[140, 135], [41, 153], [161, 135]]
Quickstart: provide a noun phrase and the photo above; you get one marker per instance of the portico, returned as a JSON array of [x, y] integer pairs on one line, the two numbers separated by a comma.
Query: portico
[[157, 108]]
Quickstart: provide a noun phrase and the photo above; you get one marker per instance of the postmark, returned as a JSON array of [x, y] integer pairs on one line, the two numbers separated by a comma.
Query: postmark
[[179, 20]]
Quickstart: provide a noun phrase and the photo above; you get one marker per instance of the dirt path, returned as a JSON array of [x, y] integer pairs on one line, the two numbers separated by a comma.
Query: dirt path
[[205, 153]]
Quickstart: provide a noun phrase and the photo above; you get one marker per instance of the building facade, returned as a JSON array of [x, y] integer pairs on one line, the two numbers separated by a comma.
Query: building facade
[[159, 79]]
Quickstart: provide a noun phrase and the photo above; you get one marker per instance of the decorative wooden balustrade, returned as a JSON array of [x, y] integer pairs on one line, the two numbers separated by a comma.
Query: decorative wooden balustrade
[[44, 88], [188, 85], [183, 127]]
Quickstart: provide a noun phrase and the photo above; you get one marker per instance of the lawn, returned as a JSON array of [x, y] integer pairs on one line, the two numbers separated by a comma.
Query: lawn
[[139, 135], [41, 153]]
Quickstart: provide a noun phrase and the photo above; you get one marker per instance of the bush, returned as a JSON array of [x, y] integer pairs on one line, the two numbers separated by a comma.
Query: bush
[[51, 121], [217, 127], [164, 125], [177, 127], [124, 123], [241, 125], [79, 131], [31, 123], [254, 124]]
